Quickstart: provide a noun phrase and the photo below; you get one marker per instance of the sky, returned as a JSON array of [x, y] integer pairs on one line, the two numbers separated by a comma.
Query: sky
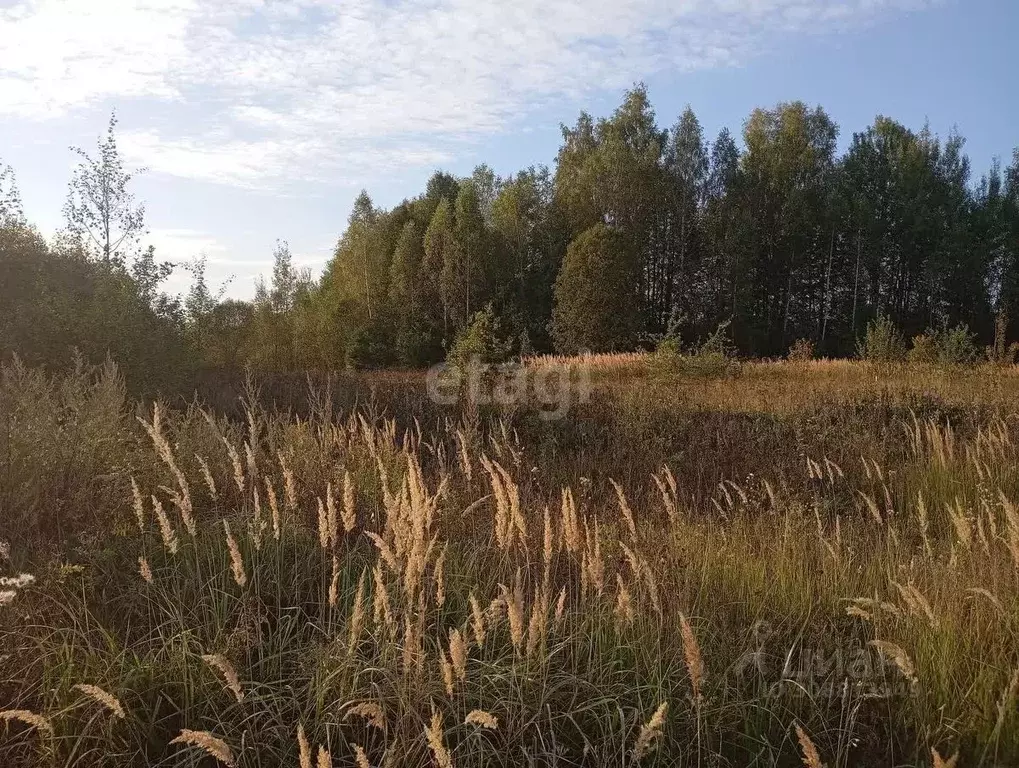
[[259, 120]]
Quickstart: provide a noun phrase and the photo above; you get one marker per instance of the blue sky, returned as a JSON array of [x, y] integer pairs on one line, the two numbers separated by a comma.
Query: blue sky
[[262, 119]]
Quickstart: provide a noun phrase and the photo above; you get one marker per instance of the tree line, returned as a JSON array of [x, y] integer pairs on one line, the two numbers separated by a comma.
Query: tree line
[[638, 232]]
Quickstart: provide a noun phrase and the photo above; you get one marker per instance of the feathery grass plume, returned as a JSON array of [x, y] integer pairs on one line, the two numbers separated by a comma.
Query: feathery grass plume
[[940, 762], [898, 656], [692, 656], [548, 545], [221, 663], [515, 610], [433, 733], [502, 520], [537, 625], [274, 507], [872, 507], [592, 553], [572, 540], [208, 743], [482, 719], [332, 519], [381, 610], [517, 519], [325, 760], [144, 570], [236, 561], [961, 523], [448, 677], [624, 605], [303, 747], [1004, 703], [477, 620], [917, 603], [334, 582], [165, 529], [990, 597], [139, 505], [439, 578], [858, 612], [97, 694], [458, 653], [370, 711], [289, 486], [249, 453], [385, 552], [323, 525], [210, 482], [625, 511], [357, 615], [560, 605], [666, 483], [811, 758], [650, 732], [238, 467], [466, 465], [360, 758], [349, 516], [28, 718], [165, 452]]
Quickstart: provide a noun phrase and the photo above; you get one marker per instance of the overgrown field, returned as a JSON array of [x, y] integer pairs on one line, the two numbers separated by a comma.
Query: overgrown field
[[794, 563]]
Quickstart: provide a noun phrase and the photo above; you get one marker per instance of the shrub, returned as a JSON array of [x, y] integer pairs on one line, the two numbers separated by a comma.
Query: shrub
[[1001, 352], [924, 349], [882, 343], [949, 346], [481, 340], [801, 351], [713, 357], [956, 346], [64, 441]]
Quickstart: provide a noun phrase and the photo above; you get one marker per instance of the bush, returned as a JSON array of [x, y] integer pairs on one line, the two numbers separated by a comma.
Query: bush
[[949, 346], [1001, 352], [712, 358], [882, 342], [924, 350], [801, 351], [64, 444], [481, 340], [957, 346]]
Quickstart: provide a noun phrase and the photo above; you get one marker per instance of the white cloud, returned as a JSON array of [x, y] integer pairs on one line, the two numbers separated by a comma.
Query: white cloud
[[251, 92]]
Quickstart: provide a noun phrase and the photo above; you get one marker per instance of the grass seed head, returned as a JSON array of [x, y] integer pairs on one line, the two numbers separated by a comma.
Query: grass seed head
[[97, 694], [208, 743]]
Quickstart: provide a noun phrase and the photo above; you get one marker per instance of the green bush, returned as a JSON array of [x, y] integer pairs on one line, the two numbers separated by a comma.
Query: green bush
[[882, 342], [714, 357], [949, 346], [957, 346], [481, 340]]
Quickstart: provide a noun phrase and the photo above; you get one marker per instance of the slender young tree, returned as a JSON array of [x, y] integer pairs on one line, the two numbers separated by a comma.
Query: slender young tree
[[100, 210]]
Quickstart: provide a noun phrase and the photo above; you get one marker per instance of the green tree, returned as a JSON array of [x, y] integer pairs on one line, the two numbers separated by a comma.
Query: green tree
[[100, 210], [595, 302]]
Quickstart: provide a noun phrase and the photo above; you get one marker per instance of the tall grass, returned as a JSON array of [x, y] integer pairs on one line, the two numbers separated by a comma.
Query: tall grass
[[344, 588]]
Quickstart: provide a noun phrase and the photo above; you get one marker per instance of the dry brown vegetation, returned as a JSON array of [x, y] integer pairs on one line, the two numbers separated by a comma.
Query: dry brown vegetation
[[801, 563]]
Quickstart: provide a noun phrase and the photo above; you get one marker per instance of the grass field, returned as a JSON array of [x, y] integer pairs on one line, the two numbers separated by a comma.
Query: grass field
[[795, 563]]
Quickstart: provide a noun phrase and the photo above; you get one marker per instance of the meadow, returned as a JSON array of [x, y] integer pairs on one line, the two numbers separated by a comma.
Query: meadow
[[793, 563]]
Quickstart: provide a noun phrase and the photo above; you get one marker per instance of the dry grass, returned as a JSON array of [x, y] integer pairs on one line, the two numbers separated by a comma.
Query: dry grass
[[437, 593]]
